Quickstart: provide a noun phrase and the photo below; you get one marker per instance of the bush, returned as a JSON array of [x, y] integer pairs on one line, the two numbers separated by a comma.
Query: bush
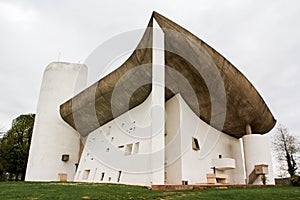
[[295, 180], [3, 176]]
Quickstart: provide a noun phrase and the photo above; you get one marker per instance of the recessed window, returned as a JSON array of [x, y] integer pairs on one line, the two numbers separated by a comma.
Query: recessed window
[[107, 149], [119, 176], [195, 144], [102, 176], [136, 148], [108, 131], [86, 174], [128, 149], [65, 157], [121, 146], [109, 178]]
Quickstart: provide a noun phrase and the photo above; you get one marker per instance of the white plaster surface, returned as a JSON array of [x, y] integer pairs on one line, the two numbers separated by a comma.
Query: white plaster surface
[[181, 161], [52, 137], [257, 151]]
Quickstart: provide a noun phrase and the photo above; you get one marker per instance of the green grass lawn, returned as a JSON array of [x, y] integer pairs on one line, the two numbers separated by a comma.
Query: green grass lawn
[[22, 190]]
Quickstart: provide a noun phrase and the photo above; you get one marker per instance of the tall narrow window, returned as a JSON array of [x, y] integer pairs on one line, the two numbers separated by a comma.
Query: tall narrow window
[[119, 176], [136, 148], [195, 144], [108, 131], [128, 149], [102, 176]]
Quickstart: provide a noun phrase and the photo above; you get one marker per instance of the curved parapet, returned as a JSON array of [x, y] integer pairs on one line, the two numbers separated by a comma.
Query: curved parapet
[[237, 100]]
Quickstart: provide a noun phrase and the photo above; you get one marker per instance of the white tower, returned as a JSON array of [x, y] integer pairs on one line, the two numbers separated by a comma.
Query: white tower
[[54, 149], [257, 151]]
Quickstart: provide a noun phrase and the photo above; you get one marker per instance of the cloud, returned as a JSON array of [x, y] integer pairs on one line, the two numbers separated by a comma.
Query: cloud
[[14, 13]]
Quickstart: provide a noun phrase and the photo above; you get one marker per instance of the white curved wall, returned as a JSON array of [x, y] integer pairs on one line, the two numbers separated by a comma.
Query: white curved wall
[[105, 148], [52, 137], [257, 151]]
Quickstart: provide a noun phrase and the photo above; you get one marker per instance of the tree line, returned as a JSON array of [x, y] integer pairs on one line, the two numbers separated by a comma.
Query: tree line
[[14, 148]]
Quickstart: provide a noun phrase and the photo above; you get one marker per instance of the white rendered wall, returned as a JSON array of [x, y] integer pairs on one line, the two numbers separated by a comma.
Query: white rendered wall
[[257, 151], [141, 128], [173, 161], [52, 137], [103, 151], [196, 164], [182, 163]]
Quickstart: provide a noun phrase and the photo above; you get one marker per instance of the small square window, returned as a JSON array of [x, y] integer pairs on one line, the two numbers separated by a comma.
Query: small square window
[[86, 174], [65, 157]]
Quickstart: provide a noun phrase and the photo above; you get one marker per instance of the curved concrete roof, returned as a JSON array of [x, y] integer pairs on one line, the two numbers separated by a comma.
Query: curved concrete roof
[[221, 90]]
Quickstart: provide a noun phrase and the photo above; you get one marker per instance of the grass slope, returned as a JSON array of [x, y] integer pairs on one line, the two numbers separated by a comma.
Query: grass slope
[[34, 191]]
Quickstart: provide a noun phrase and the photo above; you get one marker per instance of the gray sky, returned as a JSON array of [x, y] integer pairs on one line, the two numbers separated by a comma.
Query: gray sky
[[261, 38]]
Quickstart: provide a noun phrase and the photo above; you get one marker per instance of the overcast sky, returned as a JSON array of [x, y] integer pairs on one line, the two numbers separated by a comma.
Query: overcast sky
[[261, 38]]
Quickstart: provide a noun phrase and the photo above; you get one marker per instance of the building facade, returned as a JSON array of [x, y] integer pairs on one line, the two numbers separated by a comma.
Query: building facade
[[175, 112]]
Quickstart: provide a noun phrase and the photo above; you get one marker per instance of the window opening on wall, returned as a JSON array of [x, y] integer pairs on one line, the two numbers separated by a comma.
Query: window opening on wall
[[107, 149], [76, 166], [136, 148], [121, 146], [102, 176], [65, 157], [109, 178], [108, 131], [119, 176], [86, 174], [195, 144], [128, 149]]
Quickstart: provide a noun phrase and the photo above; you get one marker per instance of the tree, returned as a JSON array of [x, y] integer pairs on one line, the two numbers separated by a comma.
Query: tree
[[286, 147], [14, 146]]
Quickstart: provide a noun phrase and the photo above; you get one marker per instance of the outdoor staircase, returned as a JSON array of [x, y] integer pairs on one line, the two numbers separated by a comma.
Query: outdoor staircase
[[261, 169], [252, 177]]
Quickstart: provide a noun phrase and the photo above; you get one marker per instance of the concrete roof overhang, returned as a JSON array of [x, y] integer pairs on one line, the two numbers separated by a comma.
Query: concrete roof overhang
[[213, 88]]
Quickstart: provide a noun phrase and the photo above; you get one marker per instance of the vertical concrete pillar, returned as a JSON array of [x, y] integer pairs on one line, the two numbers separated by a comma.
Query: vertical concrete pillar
[[158, 106], [248, 129]]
